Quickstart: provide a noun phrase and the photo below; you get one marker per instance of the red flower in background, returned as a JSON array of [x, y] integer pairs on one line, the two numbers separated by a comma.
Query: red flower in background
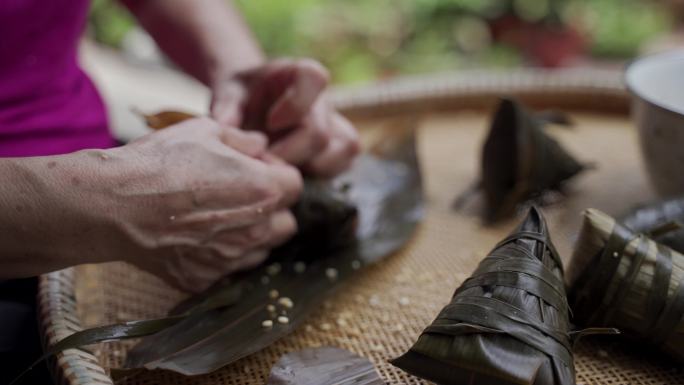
[[546, 44]]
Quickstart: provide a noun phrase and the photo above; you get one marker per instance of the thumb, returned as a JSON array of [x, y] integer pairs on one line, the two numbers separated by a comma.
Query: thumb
[[227, 104], [308, 79]]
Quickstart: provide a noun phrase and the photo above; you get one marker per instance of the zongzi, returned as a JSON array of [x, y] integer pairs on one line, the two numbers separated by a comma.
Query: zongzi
[[507, 324], [520, 161], [622, 279], [651, 220]]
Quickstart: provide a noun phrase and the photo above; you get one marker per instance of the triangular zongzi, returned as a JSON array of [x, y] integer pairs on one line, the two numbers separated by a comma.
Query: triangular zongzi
[[506, 324], [520, 161], [622, 279]]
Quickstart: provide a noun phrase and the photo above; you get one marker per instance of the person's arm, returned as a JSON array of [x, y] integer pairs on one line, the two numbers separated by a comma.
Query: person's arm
[[190, 203], [207, 38], [47, 216]]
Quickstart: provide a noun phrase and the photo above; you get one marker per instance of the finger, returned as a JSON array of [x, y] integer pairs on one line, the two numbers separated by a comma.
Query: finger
[[301, 145], [283, 227], [190, 270], [250, 143], [227, 104], [308, 80], [252, 259], [197, 270], [339, 153], [230, 265], [241, 240], [333, 161], [290, 181]]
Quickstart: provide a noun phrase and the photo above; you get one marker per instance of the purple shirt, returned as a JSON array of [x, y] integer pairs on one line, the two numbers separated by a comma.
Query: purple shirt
[[48, 105]]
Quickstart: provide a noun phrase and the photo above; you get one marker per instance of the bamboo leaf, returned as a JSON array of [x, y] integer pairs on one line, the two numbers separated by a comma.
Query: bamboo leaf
[[323, 366], [507, 324], [163, 119]]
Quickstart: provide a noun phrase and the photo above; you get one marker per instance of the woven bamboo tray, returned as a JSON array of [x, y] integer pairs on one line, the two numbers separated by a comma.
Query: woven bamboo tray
[[454, 113]]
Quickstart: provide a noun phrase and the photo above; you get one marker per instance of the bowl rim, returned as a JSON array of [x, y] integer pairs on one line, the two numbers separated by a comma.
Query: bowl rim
[[631, 87]]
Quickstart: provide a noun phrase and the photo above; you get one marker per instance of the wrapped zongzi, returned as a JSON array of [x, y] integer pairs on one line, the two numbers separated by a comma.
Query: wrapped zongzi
[[506, 324], [626, 280], [651, 219], [520, 161]]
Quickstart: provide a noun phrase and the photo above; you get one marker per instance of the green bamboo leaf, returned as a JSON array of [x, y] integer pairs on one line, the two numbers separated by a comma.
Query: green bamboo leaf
[[507, 324]]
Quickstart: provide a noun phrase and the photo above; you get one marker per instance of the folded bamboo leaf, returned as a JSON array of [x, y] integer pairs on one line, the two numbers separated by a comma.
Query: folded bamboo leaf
[[622, 279], [651, 219], [386, 189], [506, 324], [323, 366], [520, 161]]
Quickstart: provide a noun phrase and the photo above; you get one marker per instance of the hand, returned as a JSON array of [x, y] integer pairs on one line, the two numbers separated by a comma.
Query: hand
[[196, 205], [284, 100]]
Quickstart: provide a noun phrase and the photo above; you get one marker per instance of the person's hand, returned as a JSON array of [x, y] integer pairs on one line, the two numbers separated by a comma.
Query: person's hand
[[197, 203], [284, 100]]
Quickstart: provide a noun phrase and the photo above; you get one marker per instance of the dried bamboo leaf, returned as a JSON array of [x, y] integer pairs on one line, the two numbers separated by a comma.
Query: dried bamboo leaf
[[622, 279], [650, 220], [386, 189], [323, 366], [506, 324], [520, 161], [163, 119]]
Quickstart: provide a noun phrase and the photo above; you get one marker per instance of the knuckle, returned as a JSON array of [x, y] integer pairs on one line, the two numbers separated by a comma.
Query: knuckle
[[265, 189], [297, 181], [291, 227], [314, 67], [352, 146], [319, 139], [257, 234]]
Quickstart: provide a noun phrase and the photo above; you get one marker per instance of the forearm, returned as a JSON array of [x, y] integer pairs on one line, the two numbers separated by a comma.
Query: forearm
[[49, 215], [207, 38]]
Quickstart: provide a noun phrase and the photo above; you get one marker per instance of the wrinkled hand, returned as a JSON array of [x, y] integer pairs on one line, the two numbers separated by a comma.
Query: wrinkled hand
[[199, 204], [284, 100]]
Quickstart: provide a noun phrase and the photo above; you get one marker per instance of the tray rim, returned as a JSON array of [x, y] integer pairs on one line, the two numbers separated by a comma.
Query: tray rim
[[598, 90]]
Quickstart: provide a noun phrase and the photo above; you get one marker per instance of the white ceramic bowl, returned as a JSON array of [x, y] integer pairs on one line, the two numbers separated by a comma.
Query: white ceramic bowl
[[656, 83]]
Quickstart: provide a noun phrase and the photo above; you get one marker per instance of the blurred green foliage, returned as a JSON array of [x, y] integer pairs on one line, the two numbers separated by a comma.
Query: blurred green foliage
[[619, 27], [109, 22], [362, 40]]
